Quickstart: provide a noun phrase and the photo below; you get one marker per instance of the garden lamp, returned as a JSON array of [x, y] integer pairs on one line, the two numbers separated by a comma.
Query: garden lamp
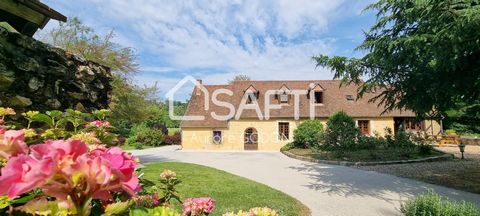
[[462, 149]]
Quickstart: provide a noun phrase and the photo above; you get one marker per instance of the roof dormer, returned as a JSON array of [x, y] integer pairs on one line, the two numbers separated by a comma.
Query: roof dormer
[[283, 94], [316, 90], [252, 94]]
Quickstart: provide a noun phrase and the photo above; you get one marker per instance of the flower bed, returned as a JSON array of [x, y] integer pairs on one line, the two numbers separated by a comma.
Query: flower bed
[[72, 171]]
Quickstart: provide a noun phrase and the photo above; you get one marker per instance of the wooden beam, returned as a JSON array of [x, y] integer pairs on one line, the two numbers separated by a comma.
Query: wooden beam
[[22, 11]]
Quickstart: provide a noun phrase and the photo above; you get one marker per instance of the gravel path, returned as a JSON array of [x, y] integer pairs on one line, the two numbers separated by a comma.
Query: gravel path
[[325, 189], [471, 151], [460, 174]]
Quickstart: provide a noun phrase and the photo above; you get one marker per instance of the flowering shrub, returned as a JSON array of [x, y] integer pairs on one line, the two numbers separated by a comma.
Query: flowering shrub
[[98, 123], [169, 181], [89, 138], [198, 206], [102, 131], [167, 174], [64, 125], [148, 201], [66, 170], [254, 212]]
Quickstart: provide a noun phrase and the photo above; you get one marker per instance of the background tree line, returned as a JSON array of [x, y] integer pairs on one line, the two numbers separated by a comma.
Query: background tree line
[[130, 104]]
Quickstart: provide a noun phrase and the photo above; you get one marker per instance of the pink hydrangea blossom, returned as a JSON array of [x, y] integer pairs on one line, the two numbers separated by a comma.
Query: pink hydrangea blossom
[[69, 171], [11, 143], [98, 123], [198, 206]]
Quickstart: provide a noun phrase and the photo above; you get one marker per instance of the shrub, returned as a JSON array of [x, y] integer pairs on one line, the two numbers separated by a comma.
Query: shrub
[[175, 139], [403, 140], [366, 142], [122, 127], [425, 149], [150, 137], [308, 133], [432, 204], [146, 136], [95, 173], [341, 133]]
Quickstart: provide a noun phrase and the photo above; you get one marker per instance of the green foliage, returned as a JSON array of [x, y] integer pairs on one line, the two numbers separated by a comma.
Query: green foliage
[[132, 105], [341, 132], [77, 38], [367, 142], [168, 189], [288, 147], [71, 123], [145, 136], [463, 118], [432, 204], [157, 211], [422, 54], [309, 133], [117, 208]]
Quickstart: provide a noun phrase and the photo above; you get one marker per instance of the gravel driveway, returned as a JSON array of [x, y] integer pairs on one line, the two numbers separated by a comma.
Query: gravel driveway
[[325, 189]]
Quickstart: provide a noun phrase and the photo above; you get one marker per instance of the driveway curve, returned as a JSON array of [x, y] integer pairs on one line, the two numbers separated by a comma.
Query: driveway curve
[[325, 189]]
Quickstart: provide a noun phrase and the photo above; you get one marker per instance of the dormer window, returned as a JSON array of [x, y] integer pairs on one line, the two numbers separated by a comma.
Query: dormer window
[[318, 97], [283, 94], [315, 91], [251, 98], [283, 98], [252, 94]]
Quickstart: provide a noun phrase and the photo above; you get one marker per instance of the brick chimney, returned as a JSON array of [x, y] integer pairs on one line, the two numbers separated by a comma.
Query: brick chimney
[[197, 90]]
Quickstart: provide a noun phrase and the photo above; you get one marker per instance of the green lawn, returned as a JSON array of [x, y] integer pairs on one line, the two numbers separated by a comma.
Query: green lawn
[[129, 147], [361, 155], [231, 192]]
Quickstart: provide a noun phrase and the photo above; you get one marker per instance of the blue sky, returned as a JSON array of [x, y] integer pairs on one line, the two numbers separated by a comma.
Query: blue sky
[[216, 40]]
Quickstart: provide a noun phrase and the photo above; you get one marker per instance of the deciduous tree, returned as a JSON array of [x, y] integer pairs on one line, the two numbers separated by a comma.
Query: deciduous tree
[[424, 55]]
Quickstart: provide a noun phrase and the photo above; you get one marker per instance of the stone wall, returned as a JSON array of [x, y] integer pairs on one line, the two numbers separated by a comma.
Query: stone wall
[[36, 76]]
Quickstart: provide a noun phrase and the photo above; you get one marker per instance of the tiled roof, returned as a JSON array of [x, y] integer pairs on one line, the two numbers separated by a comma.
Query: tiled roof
[[334, 99]]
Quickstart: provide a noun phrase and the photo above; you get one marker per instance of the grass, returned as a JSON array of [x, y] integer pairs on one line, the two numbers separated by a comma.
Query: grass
[[361, 155], [231, 192], [129, 147]]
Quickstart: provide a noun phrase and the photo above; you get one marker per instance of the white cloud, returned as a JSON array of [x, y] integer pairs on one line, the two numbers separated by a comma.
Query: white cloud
[[271, 39]]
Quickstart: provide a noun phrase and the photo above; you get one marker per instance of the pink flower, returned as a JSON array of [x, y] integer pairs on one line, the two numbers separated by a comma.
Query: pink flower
[[198, 206], [70, 172], [98, 123], [149, 200], [24, 173], [11, 143]]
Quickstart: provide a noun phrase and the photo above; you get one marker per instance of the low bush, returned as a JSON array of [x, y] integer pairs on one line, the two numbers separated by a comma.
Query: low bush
[[150, 137], [175, 139], [308, 134], [341, 132], [146, 136], [403, 140], [366, 142], [432, 204]]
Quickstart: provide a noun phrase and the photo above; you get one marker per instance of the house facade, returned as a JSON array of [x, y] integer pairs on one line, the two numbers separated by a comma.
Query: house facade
[[262, 115]]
